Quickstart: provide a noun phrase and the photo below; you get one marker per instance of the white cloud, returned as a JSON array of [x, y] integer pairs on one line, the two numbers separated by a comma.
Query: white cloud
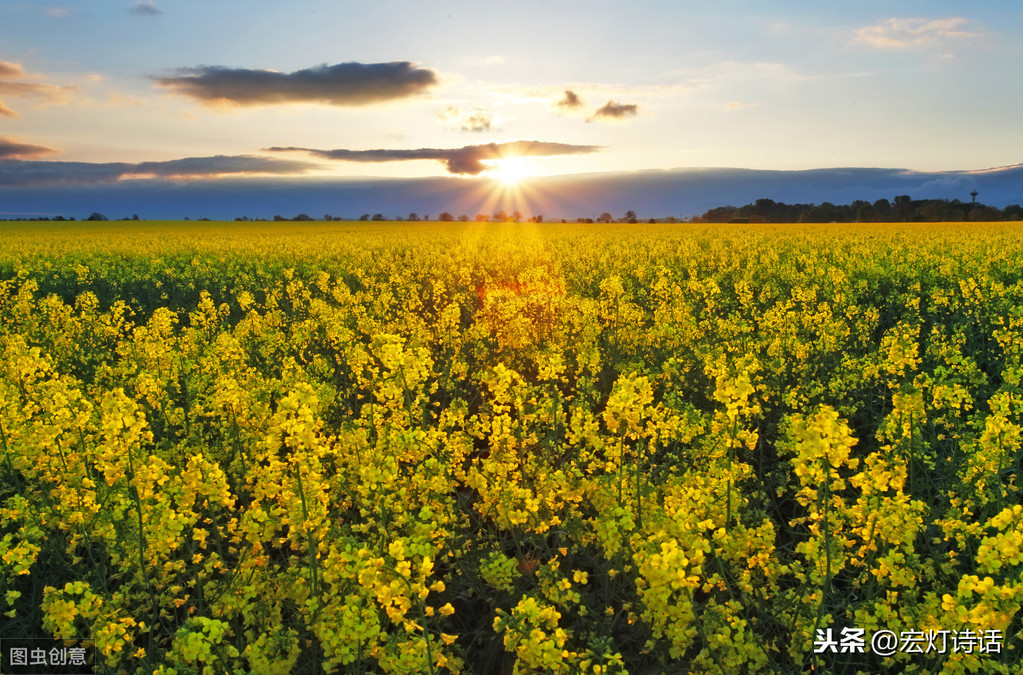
[[901, 33], [478, 119]]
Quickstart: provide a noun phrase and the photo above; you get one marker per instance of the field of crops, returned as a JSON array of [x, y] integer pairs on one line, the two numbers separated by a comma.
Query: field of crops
[[363, 447]]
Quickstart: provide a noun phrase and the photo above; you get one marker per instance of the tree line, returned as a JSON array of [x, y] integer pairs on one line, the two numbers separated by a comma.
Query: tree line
[[901, 209]]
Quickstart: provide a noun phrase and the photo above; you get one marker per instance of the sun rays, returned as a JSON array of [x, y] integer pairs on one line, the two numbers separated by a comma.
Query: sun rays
[[512, 190], [510, 170]]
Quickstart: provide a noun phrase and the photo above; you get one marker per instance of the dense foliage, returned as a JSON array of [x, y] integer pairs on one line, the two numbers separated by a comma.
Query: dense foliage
[[903, 209], [401, 448]]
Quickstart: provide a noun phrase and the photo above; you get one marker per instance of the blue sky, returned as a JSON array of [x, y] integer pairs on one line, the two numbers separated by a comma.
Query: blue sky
[[602, 85]]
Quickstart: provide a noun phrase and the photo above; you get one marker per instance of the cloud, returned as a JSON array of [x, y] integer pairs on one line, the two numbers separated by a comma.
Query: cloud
[[343, 84], [8, 69], [219, 165], [24, 173], [17, 87], [145, 8], [61, 12], [115, 97], [470, 159], [476, 120], [679, 192], [733, 106], [570, 101], [615, 111], [11, 149], [50, 92], [447, 114], [900, 33]]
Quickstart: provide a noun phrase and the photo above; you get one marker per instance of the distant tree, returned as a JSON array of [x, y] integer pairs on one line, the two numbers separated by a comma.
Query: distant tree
[[539, 217], [463, 218], [630, 216], [765, 207], [500, 216], [277, 219], [328, 217], [983, 214], [446, 217], [825, 213], [378, 216], [1010, 212], [364, 216], [302, 217], [516, 216], [903, 207], [60, 218], [865, 213], [605, 217], [413, 216], [426, 216], [721, 214], [482, 218], [97, 216], [134, 216]]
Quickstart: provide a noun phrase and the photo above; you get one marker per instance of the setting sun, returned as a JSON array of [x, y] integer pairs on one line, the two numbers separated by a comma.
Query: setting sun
[[510, 170]]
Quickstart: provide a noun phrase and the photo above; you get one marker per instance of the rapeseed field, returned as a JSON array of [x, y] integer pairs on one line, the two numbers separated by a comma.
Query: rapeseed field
[[483, 448]]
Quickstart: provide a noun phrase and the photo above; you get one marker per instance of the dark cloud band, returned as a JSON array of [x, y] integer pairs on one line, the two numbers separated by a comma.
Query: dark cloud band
[[470, 159], [343, 84], [10, 149], [19, 172]]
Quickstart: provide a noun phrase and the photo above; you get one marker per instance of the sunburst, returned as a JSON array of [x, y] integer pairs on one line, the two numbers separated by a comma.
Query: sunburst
[[510, 170]]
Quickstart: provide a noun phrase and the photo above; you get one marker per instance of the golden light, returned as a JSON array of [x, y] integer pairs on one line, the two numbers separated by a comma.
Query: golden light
[[509, 184], [510, 170]]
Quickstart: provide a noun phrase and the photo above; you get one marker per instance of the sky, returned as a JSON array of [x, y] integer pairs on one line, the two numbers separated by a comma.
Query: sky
[[118, 94]]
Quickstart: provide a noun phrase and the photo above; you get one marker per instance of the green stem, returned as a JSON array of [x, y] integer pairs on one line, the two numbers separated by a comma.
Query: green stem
[[310, 544], [312, 552], [134, 492], [639, 492], [7, 452]]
